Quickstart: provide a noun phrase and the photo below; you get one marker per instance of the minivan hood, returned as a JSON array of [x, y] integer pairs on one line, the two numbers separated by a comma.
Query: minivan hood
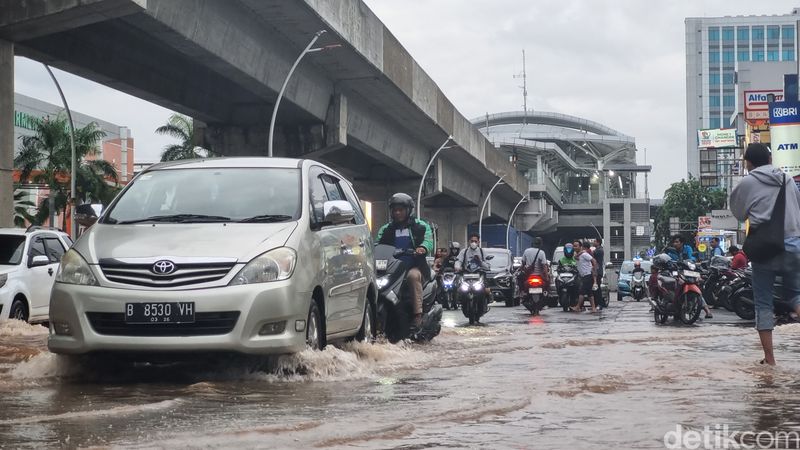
[[5, 268], [212, 240]]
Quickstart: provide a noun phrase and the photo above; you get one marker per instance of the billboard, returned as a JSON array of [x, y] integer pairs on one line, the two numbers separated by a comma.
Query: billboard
[[704, 222], [756, 108], [784, 118], [722, 138]]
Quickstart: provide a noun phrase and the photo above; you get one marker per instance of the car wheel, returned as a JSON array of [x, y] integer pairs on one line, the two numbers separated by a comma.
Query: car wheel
[[366, 333], [314, 338], [19, 310]]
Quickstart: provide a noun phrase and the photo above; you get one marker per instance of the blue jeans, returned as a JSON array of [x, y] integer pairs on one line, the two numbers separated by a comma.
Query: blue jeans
[[786, 265]]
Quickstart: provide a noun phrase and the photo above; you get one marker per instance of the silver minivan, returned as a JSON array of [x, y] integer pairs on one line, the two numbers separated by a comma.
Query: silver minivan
[[249, 255]]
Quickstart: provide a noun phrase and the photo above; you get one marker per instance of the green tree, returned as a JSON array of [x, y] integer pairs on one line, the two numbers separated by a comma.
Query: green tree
[[686, 200], [182, 128], [45, 158], [21, 207]]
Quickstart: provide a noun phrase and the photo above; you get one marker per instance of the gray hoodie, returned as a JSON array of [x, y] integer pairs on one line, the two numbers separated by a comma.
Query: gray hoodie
[[754, 198]]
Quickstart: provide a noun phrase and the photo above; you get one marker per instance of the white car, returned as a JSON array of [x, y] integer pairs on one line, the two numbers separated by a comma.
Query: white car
[[29, 261]]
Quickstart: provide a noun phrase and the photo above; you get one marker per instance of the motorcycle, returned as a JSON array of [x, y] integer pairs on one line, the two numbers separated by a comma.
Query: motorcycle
[[638, 288], [472, 292], [447, 291], [567, 286], [678, 293], [743, 301], [533, 296], [395, 308]]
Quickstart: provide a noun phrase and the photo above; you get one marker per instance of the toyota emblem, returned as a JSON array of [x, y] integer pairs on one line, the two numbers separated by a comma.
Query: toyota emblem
[[163, 267]]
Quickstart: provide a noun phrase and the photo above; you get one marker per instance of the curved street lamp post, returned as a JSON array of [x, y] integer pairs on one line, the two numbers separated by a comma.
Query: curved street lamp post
[[483, 208], [306, 50], [511, 217], [425, 174], [73, 162]]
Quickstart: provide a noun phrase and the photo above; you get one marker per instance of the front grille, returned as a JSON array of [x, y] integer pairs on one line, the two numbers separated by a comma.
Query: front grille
[[184, 275], [205, 324]]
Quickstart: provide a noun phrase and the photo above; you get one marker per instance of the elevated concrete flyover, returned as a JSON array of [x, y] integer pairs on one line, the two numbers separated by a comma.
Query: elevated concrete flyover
[[366, 108]]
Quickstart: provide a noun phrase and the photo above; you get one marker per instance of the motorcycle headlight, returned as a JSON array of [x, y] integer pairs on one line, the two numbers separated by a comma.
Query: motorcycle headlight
[[274, 265], [74, 270], [382, 282], [477, 286], [464, 287]]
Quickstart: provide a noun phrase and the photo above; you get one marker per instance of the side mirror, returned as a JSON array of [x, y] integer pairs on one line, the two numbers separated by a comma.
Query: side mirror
[[39, 260], [490, 257], [85, 215], [617, 272], [338, 211]]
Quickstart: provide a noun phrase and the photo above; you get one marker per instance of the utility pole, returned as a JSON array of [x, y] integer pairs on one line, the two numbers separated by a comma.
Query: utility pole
[[524, 87]]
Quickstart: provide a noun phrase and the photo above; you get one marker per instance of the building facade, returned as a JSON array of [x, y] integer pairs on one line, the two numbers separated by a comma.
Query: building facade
[[715, 49]]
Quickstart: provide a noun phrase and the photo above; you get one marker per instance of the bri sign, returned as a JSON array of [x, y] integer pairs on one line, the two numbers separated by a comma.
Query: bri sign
[[784, 118]]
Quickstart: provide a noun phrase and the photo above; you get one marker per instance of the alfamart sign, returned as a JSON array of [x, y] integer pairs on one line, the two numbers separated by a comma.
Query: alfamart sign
[[756, 105], [725, 137]]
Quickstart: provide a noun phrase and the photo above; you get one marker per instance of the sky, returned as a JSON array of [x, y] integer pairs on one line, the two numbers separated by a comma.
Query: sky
[[617, 62]]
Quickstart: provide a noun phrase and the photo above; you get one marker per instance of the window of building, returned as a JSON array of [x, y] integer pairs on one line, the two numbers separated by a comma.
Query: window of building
[[758, 55], [713, 34], [727, 34], [727, 56], [772, 55], [713, 57], [788, 33], [713, 79], [743, 34], [758, 33], [713, 101], [709, 154], [709, 167], [728, 78], [773, 32], [715, 122], [728, 101], [744, 55], [708, 181], [788, 54]]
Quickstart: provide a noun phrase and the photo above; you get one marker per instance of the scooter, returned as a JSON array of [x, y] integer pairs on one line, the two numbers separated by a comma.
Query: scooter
[[533, 294], [638, 288], [395, 308], [472, 292], [678, 293], [567, 286], [447, 291]]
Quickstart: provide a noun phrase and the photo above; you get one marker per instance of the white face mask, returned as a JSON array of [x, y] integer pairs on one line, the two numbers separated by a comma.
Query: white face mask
[[473, 245]]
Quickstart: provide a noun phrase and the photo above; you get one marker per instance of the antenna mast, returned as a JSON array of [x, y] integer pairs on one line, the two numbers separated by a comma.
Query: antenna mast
[[524, 87]]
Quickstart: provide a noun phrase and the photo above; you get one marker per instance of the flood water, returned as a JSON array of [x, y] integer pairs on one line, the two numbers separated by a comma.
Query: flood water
[[562, 380]]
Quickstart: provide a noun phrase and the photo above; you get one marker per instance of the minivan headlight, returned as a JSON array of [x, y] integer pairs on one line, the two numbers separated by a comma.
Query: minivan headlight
[[74, 270], [3, 279], [274, 265]]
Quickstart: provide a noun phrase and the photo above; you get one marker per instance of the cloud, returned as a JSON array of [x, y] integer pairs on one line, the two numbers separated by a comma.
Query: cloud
[[618, 62]]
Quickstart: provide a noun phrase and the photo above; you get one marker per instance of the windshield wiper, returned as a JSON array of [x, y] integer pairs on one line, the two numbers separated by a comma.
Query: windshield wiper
[[265, 218], [179, 218]]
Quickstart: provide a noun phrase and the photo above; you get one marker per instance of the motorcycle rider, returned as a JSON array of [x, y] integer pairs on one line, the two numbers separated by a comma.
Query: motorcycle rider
[[534, 262], [637, 268], [406, 232], [587, 269], [473, 253], [681, 251], [569, 256]]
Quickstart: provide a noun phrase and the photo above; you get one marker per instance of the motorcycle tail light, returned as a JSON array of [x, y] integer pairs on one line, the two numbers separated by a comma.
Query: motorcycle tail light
[[535, 281]]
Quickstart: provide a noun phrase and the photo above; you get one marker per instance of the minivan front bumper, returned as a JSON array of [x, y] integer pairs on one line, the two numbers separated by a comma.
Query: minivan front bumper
[[75, 328]]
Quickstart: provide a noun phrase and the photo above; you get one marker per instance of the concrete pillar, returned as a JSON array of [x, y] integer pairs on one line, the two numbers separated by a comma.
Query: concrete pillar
[[626, 205], [6, 133]]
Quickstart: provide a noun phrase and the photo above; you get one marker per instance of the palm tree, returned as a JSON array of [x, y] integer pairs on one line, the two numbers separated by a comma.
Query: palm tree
[[182, 128], [45, 158], [21, 209]]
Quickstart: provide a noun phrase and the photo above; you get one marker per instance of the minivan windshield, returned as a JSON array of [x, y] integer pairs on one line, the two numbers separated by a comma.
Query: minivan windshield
[[210, 195]]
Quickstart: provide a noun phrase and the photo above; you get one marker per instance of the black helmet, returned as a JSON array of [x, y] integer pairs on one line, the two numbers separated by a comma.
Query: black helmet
[[404, 200]]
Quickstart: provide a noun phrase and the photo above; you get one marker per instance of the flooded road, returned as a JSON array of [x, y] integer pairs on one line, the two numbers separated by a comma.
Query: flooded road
[[562, 380]]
